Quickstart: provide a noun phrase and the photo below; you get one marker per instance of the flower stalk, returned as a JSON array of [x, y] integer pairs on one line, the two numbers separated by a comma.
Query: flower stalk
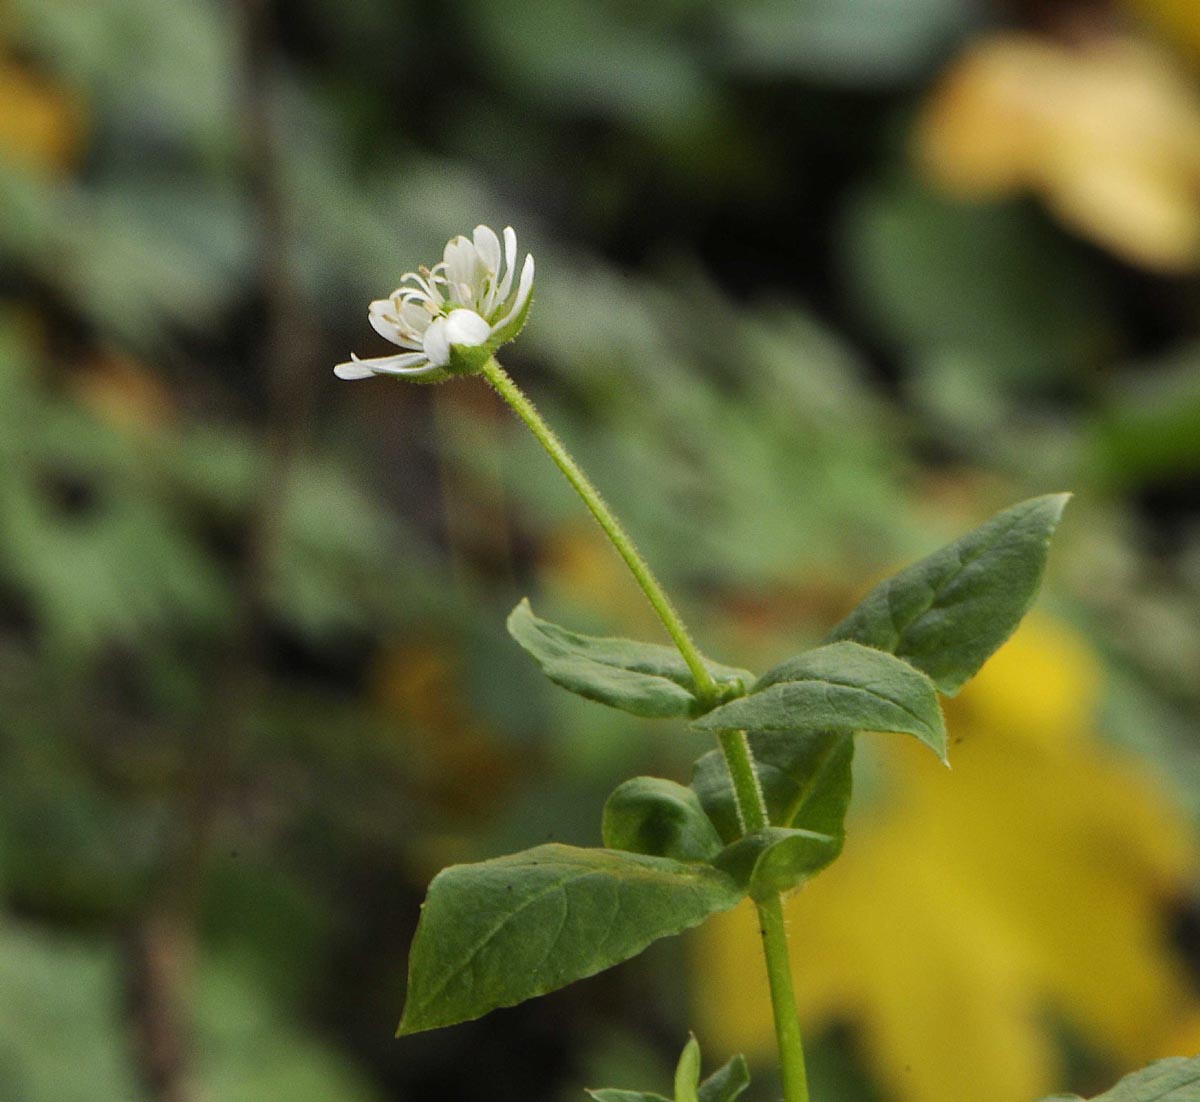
[[503, 384]]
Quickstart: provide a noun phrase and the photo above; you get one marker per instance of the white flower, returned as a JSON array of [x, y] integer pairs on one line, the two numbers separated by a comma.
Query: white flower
[[453, 315]]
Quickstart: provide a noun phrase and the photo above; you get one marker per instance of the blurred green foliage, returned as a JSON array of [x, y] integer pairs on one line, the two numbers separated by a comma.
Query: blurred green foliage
[[790, 362]]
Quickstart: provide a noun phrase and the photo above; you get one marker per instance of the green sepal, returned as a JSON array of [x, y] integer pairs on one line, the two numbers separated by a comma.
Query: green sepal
[[948, 613], [659, 818], [645, 679], [839, 687], [513, 328], [805, 776], [499, 932], [439, 376], [777, 859], [1173, 1080], [468, 359]]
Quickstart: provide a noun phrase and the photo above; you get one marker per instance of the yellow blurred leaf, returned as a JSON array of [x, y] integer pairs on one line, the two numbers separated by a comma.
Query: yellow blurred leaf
[[1179, 19], [124, 393], [1030, 878], [457, 758], [1106, 132], [41, 126]]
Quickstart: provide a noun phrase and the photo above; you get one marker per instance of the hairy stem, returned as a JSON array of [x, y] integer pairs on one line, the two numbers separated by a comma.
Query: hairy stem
[[752, 810], [503, 384]]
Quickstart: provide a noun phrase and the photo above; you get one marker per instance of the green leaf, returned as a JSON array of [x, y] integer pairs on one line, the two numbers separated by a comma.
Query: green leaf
[[776, 859], [613, 1094], [1174, 1080], [805, 778], [646, 679], [687, 1072], [659, 818], [948, 613], [727, 1083], [839, 687], [502, 931]]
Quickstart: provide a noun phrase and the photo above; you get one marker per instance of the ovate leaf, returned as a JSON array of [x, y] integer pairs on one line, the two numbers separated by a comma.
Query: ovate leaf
[[659, 818], [839, 687], [1175, 1080], [646, 679], [805, 778], [948, 613], [499, 932], [776, 860]]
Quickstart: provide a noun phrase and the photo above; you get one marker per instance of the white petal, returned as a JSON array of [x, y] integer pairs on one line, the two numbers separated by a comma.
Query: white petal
[[523, 291], [510, 263], [414, 318], [437, 344], [384, 321], [408, 363], [353, 369], [468, 328], [487, 244], [462, 261]]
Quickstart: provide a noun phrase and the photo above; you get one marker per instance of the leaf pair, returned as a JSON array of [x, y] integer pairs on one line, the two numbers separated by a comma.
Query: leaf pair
[[657, 817], [943, 616]]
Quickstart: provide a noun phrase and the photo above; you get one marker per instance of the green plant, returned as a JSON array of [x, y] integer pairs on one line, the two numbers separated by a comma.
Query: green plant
[[765, 811]]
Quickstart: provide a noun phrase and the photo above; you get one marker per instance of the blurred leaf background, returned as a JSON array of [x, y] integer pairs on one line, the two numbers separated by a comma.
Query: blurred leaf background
[[821, 283]]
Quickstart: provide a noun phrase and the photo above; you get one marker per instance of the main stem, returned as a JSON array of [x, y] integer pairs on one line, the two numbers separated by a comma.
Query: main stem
[[752, 810]]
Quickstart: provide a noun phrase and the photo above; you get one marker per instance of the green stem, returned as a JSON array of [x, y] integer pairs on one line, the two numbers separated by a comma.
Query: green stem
[[783, 999], [751, 807], [503, 384], [752, 813]]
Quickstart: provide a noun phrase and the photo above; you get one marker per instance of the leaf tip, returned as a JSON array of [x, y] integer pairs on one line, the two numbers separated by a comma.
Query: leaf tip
[[407, 1026], [522, 610], [1059, 501], [1049, 506]]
